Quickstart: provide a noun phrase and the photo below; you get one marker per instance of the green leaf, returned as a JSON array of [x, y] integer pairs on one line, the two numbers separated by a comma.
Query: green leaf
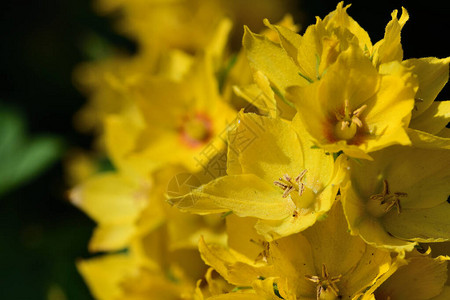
[[22, 158]]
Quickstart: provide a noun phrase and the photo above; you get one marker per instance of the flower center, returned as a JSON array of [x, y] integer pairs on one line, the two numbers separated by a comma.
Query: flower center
[[348, 122], [196, 130], [326, 284], [380, 204], [287, 184]]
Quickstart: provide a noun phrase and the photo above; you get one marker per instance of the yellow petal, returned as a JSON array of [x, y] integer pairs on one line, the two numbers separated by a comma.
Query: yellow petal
[[245, 195], [310, 50], [292, 258], [110, 198], [426, 140], [389, 48], [121, 135], [340, 18], [216, 283], [389, 111], [185, 230], [237, 296], [254, 95], [268, 288], [111, 237], [104, 274], [234, 267], [268, 148], [269, 58], [290, 40], [218, 43], [421, 225], [422, 278], [444, 295], [242, 234], [434, 119], [432, 74]]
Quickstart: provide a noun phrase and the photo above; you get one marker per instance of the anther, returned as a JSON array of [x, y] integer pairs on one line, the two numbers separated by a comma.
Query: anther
[[288, 185], [391, 199], [325, 282]]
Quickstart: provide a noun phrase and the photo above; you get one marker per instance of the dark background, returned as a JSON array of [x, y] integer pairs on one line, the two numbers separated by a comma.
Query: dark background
[[41, 234]]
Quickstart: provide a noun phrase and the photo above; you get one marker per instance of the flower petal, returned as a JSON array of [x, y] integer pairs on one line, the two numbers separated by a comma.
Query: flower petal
[[432, 74], [246, 195], [421, 225], [434, 119], [109, 198], [389, 48], [422, 278], [269, 58]]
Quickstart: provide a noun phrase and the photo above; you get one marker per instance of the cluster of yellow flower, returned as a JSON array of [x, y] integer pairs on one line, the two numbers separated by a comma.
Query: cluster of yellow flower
[[310, 166]]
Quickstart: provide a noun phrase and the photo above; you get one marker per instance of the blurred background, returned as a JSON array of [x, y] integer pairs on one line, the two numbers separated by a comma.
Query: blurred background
[[41, 233]]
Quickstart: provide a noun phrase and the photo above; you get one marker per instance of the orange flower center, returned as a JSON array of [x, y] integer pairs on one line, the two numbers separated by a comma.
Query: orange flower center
[[196, 130]]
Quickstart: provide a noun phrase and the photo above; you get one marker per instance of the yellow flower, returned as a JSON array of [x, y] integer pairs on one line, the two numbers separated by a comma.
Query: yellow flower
[[400, 198], [162, 259], [114, 202], [109, 83], [130, 201], [103, 275], [115, 199], [354, 108], [273, 175], [155, 273], [322, 262], [309, 55], [183, 119], [299, 60], [187, 25]]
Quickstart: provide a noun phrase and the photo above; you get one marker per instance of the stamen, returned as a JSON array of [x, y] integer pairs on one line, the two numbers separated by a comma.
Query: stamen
[[288, 185], [347, 124], [325, 282], [385, 197], [359, 111]]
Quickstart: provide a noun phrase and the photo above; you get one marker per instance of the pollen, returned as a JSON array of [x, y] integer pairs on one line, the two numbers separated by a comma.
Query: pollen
[[325, 283], [348, 123], [287, 184], [389, 199]]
